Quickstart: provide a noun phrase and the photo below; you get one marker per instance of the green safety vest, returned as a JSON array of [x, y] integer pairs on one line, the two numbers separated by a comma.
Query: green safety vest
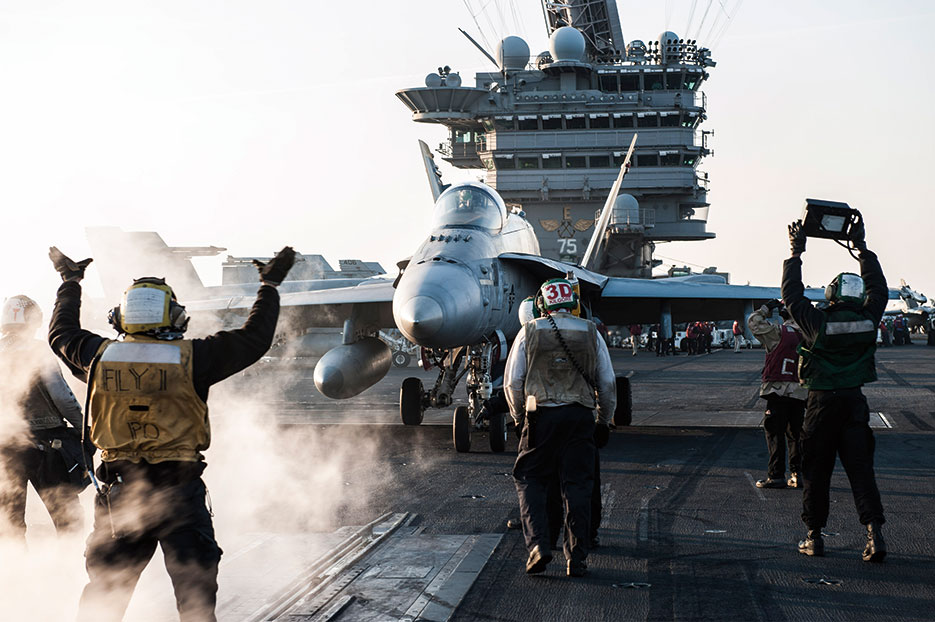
[[842, 355]]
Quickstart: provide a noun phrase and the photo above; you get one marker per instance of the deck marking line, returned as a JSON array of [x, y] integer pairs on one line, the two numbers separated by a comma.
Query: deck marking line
[[759, 493]]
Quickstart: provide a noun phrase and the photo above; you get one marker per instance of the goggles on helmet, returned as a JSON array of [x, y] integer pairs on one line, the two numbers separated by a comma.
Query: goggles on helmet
[[846, 287], [149, 307]]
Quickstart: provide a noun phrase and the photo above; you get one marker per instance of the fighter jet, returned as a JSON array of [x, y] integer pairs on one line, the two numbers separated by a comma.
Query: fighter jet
[[909, 303], [456, 297]]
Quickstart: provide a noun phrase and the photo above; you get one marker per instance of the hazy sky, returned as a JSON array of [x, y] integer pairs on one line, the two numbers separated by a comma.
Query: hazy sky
[[251, 125]]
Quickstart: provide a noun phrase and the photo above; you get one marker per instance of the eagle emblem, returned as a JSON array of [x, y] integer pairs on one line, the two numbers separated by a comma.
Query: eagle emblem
[[565, 227]]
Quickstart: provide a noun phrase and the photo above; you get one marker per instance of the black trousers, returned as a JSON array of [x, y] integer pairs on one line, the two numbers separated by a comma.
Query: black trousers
[[557, 441], [556, 508], [782, 424], [142, 514], [837, 423], [46, 470]]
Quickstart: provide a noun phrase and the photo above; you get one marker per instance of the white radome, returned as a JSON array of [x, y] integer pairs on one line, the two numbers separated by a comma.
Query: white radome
[[567, 44]]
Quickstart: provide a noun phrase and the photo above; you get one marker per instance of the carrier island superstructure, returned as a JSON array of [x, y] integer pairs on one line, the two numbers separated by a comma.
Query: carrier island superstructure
[[552, 131]]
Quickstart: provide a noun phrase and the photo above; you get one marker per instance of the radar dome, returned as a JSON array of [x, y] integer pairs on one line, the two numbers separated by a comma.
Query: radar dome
[[626, 210], [512, 54], [453, 80], [567, 44], [433, 80]]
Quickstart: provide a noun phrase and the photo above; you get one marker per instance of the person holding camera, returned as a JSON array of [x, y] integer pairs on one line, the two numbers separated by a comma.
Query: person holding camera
[[836, 359], [785, 397], [40, 439], [558, 371]]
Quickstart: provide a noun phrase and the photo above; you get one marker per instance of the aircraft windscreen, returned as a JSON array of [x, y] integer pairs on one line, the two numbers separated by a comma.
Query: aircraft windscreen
[[467, 206]]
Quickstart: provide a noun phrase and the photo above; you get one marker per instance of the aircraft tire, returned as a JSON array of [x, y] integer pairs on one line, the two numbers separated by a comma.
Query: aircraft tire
[[623, 414], [497, 432], [410, 401], [461, 429], [401, 359]]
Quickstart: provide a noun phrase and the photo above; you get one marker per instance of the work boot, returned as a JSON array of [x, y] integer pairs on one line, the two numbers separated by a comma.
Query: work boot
[[875, 550], [771, 482], [514, 523], [793, 481], [538, 560], [813, 545], [577, 569]]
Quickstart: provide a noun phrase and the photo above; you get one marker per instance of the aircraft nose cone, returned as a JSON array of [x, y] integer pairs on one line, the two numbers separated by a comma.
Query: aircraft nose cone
[[421, 317]]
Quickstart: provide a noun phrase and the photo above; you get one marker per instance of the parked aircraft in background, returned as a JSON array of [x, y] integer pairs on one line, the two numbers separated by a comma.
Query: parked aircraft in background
[[910, 303]]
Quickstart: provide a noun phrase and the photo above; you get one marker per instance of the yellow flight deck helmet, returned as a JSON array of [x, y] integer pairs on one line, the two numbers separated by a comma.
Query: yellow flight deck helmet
[[20, 313], [149, 307]]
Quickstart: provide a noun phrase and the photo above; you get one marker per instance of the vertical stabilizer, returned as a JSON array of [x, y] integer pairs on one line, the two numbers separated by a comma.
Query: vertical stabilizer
[[431, 169], [121, 256]]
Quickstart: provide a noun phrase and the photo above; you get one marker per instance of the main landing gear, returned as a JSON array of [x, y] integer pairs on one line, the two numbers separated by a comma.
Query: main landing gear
[[477, 361]]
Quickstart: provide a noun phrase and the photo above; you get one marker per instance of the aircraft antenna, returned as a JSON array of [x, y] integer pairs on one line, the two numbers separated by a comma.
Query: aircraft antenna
[[479, 47]]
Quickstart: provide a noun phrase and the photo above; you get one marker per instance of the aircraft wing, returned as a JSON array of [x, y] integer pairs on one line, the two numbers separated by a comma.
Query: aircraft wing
[[371, 302], [696, 297], [545, 269]]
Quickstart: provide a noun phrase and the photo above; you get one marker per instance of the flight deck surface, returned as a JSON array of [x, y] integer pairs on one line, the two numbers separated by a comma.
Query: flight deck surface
[[420, 532]]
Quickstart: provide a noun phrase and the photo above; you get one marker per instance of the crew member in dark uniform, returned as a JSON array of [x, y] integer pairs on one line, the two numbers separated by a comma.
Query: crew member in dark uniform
[[557, 372], [785, 397], [836, 359], [148, 414], [40, 440]]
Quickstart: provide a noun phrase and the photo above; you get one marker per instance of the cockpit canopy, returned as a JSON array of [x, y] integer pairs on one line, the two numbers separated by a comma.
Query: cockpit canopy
[[469, 205]]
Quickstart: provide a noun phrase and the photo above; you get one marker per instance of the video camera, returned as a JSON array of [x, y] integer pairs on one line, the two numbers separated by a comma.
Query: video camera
[[832, 220]]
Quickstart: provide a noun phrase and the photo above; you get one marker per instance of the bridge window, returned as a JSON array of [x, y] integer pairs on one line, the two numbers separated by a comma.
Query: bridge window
[[669, 119], [623, 120], [527, 162], [674, 80], [647, 159], [691, 79], [599, 161], [689, 159], [503, 160], [529, 122], [599, 121], [575, 162], [652, 81], [503, 124], [669, 158], [574, 122], [551, 121], [619, 156], [645, 119], [629, 82], [551, 160], [607, 82]]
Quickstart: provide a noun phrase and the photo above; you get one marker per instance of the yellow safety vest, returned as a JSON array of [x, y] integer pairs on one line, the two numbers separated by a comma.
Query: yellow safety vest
[[550, 374], [143, 404]]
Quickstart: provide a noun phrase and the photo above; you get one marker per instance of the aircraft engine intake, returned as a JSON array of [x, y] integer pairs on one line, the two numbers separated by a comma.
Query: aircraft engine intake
[[350, 369]]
